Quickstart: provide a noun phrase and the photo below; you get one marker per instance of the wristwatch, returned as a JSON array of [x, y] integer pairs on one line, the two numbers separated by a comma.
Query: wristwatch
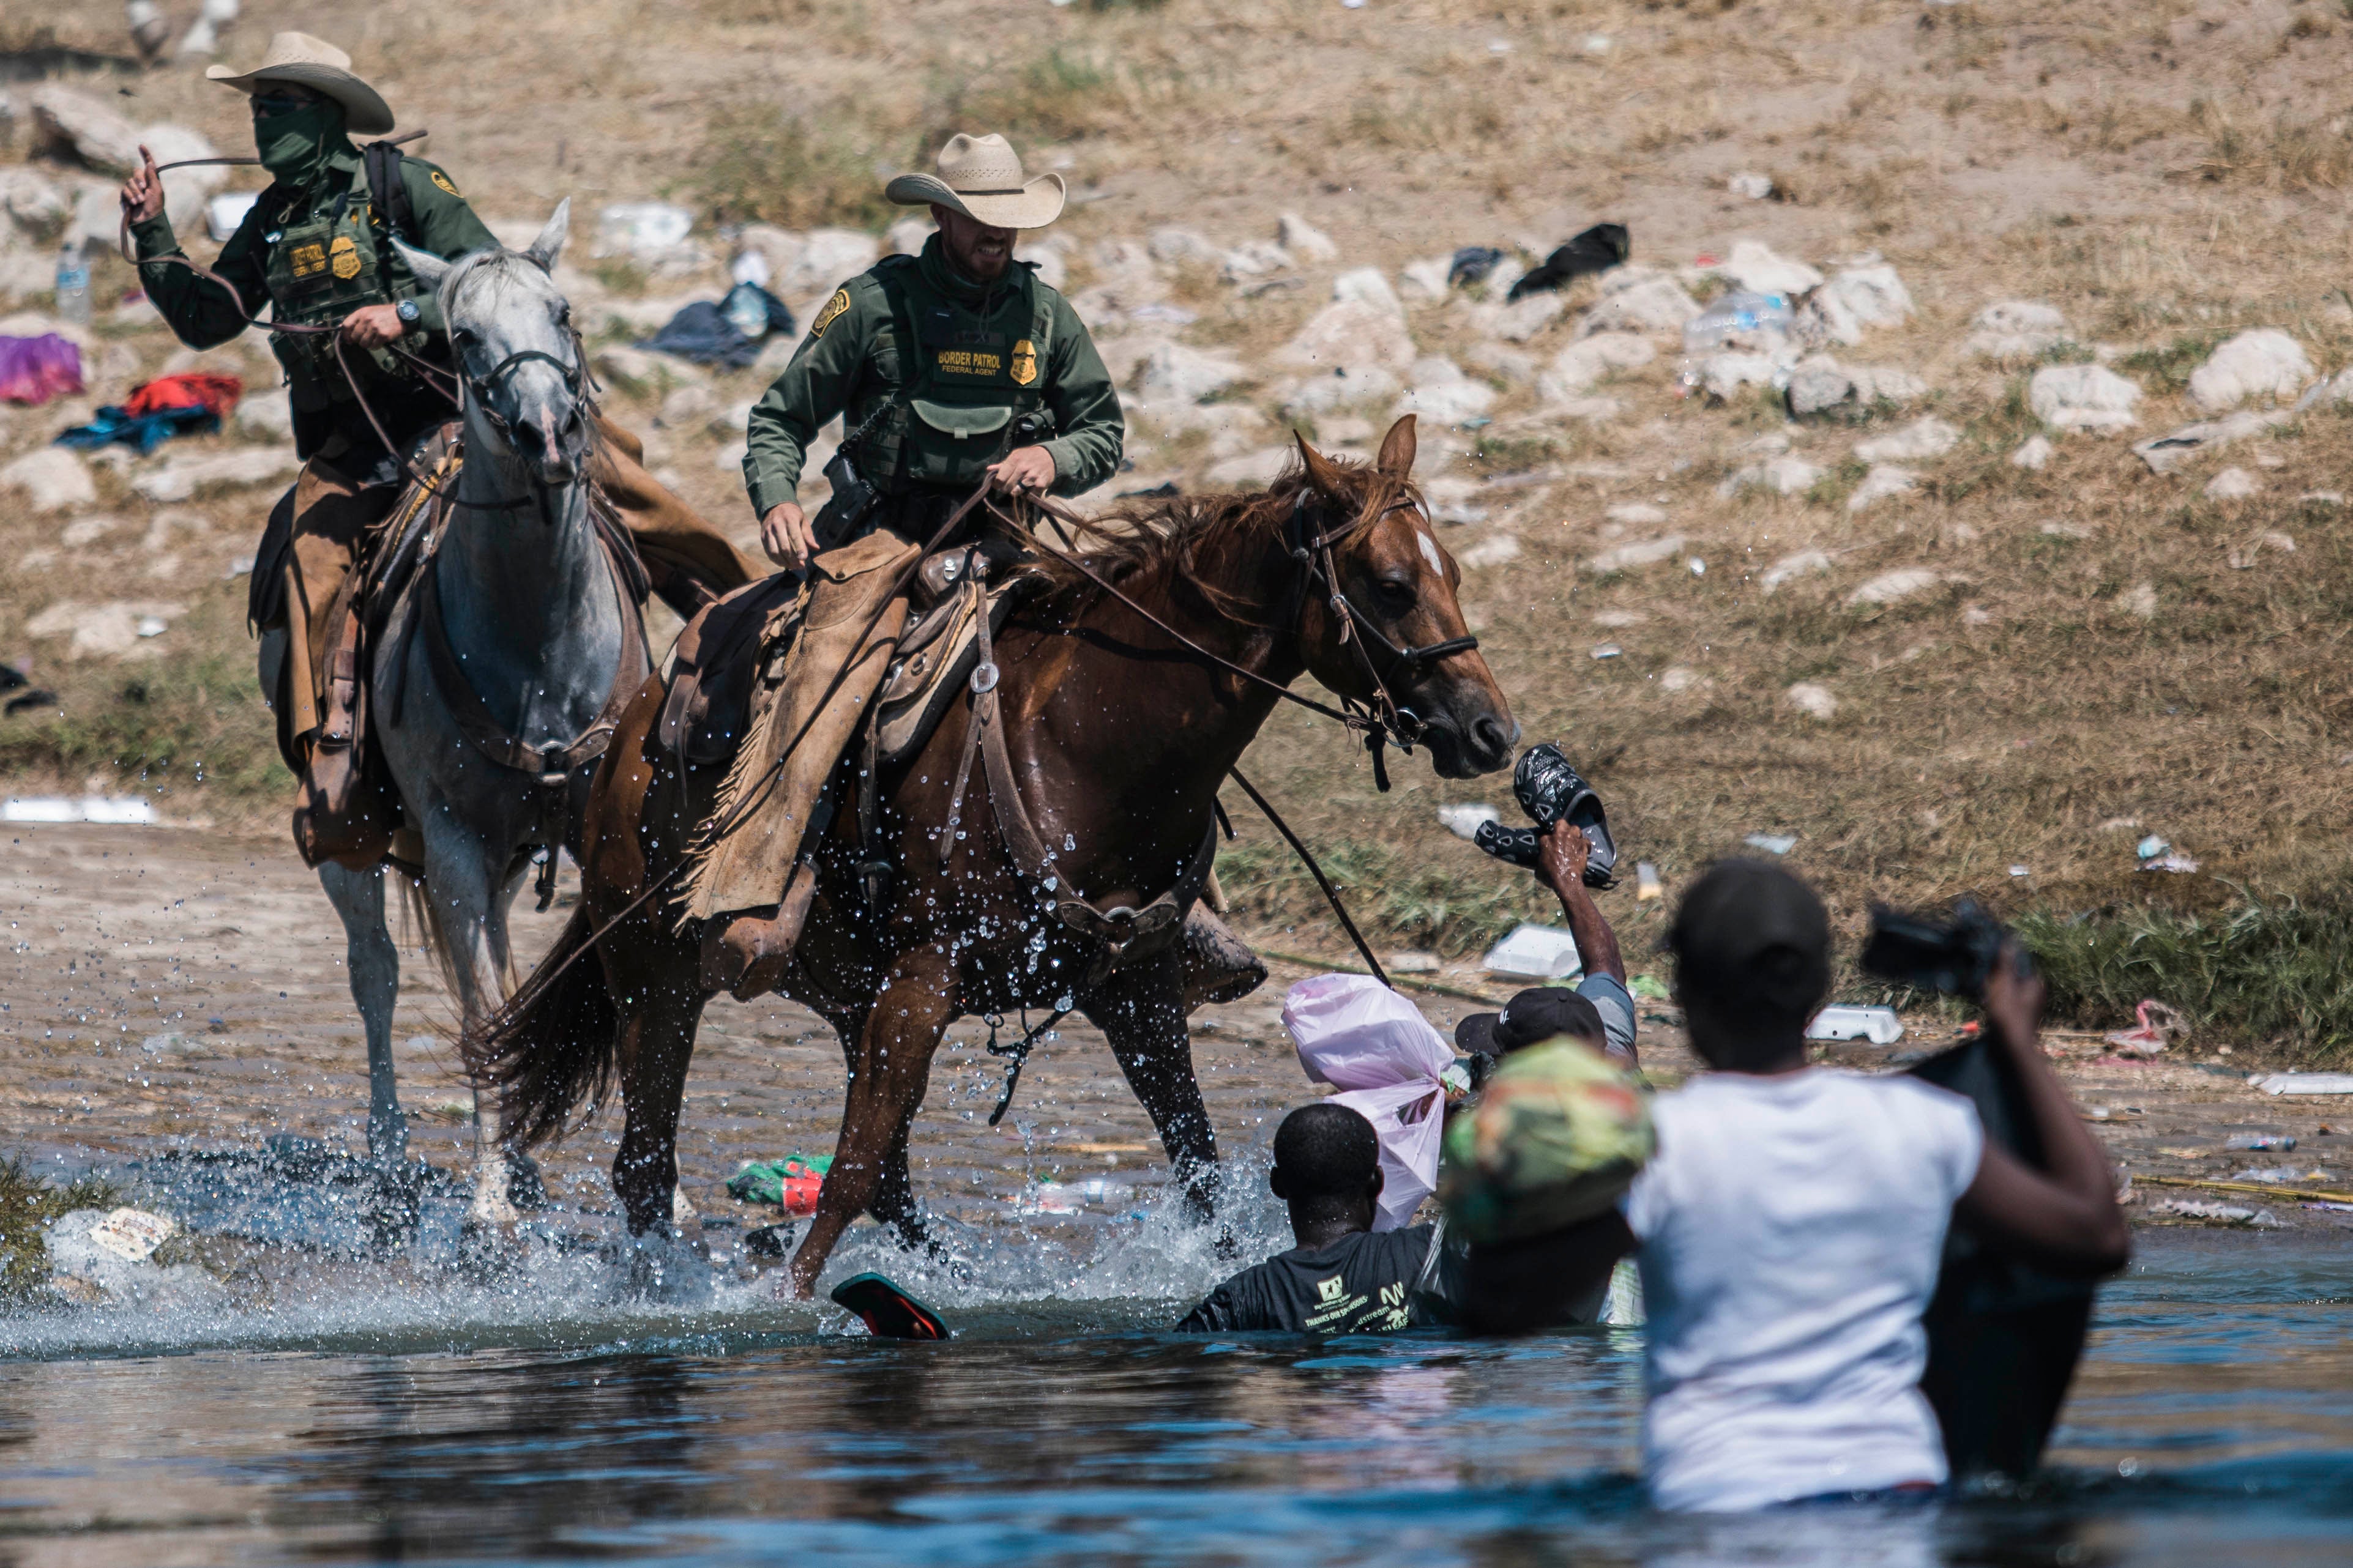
[[407, 311]]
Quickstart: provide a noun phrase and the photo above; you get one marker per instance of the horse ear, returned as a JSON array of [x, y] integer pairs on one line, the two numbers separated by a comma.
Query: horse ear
[[542, 252], [1396, 449], [428, 268], [1320, 471]]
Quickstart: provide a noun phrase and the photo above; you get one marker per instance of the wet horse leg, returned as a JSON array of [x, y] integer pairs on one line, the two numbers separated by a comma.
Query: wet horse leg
[[1140, 1012], [916, 1004], [373, 961], [661, 1005], [894, 1193]]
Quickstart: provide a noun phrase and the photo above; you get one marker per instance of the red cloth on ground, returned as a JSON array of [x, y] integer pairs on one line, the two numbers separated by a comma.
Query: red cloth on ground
[[195, 389]]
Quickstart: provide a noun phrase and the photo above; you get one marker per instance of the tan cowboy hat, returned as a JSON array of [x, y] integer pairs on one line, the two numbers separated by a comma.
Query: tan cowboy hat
[[323, 69], [981, 177]]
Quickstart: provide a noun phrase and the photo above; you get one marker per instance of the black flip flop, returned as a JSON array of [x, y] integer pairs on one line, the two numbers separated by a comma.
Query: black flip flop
[[888, 1312]]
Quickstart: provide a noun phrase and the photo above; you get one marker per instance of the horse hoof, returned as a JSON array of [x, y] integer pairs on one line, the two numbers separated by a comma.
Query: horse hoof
[[526, 1189], [487, 1249]]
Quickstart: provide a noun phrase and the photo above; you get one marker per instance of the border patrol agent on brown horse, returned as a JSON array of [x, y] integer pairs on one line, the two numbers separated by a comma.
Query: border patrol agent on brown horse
[[946, 367], [315, 248]]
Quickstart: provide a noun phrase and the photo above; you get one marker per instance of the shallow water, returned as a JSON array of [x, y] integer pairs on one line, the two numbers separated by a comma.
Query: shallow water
[[329, 1408]]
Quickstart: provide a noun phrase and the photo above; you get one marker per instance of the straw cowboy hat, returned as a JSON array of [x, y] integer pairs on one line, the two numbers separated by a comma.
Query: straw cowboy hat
[[981, 177], [323, 69]]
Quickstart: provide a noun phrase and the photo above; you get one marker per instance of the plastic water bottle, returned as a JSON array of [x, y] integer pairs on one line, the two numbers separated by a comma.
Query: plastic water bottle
[[73, 284]]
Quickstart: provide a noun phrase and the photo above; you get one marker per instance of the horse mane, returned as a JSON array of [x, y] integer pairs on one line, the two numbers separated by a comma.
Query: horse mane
[[1169, 538]]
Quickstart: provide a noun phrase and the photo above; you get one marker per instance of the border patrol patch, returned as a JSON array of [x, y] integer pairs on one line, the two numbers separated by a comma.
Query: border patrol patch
[[442, 180], [833, 308], [343, 257], [307, 260], [1024, 362]]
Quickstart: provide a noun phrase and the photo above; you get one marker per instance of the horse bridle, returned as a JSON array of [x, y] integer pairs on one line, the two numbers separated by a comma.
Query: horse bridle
[[476, 389], [1382, 720]]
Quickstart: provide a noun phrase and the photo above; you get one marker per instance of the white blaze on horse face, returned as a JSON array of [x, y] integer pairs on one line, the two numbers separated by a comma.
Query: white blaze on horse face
[[1422, 537]]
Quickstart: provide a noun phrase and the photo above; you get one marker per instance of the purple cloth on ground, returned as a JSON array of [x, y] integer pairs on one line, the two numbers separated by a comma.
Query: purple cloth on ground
[[34, 370]]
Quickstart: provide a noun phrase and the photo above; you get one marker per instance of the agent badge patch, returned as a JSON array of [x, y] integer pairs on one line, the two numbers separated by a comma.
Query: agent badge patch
[[1024, 362], [442, 180], [343, 257], [833, 308]]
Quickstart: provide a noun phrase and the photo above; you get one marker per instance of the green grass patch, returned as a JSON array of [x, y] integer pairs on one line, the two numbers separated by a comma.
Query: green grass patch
[[2167, 366], [761, 163], [169, 727], [28, 1205], [2265, 970]]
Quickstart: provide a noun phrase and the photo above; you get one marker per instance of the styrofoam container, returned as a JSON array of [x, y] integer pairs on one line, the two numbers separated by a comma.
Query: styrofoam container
[[1880, 1026], [1536, 952]]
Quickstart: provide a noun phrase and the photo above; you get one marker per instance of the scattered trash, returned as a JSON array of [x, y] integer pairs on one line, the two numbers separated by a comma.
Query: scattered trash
[[117, 809], [1772, 842], [792, 1184], [1364, 1039], [1880, 1026], [727, 333], [2203, 1208], [1646, 882], [2306, 1083], [1607, 650], [1071, 1197], [1598, 250], [1472, 264], [132, 1235], [158, 410], [34, 370], [2160, 1027], [1755, 187], [1698, 567], [1411, 962], [1650, 988], [2022, 870], [2177, 863], [2272, 1174], [1539, 953], [1464, 821], [2150, 847], [1740, 320]]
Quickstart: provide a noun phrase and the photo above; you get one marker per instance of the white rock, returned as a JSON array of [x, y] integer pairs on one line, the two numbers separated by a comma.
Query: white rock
[[33, 200], [1051, 270], [728, 458], [639, 368], [2032, 452], [1879, 485], [1814, 701], [1442, 394], [906, 237], [84, 531], [1755, 187], [1350, 335], [2082, 397], [1304, 239], [1254, 470], [1786, 475], [642, 231], [782, 248], [1656, 304], [1367, 286], [1171, 246], [1883, 384], [1721, 376], [1426, 280], [2244, 556], [1174, 374], [182, 477], [1584, 361], [1817, 384], [1491, 551], [1891, 587], [2165, 452], [265, 417], [1928, 437], [2139, 600], [1805, 563], [831, 258], [88, 131], [2232, 484], [1637, 552], [1592, 410], [1868, 296], [2015, 328], [1753, 266], [1232, 427], [101, 629], [1254, 259], [1321, 395], [1512, 365], [1635, 513], [2263, 364], [1524, 319], [54, 478]]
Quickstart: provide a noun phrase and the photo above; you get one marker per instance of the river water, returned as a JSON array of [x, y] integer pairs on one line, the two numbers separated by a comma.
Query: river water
[[332, 1407]]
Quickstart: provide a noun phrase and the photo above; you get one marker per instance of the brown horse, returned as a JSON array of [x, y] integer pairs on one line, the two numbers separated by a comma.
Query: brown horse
[[1118, 737]]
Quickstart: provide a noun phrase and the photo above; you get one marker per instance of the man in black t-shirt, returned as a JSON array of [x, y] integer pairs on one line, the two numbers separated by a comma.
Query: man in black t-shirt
[[1342, 1278]]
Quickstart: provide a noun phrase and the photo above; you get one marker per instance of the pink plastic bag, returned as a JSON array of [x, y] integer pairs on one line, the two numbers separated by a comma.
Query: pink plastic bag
[[34, 370], [1364, 1039]]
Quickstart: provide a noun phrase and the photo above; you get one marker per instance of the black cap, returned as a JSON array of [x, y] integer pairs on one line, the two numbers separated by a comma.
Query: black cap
[[1753, 935], [1538, 1013]]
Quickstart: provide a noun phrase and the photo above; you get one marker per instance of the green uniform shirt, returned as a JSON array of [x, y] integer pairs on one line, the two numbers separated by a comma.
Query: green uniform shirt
[[202, 315], [853, 362]]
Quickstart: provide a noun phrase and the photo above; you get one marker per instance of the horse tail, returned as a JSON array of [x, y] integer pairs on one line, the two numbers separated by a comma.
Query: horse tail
[[548, 1050]]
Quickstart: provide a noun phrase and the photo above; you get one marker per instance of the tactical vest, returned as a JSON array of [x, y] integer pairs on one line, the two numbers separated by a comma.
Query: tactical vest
[[322, 268], [960, 379]]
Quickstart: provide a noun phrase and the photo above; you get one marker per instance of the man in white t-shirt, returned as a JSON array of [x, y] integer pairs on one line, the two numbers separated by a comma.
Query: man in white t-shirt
[[1790, 1227]]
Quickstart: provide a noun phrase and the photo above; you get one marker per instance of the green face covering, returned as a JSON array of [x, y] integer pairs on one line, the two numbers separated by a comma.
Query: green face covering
[[294, 147]]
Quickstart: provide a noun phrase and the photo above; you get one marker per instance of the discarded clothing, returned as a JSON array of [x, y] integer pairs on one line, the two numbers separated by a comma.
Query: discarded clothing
[[34, 370], [714, 334], [1472, 264], [143, 432], [193, 389], [1598, 250], [791, 1182]]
